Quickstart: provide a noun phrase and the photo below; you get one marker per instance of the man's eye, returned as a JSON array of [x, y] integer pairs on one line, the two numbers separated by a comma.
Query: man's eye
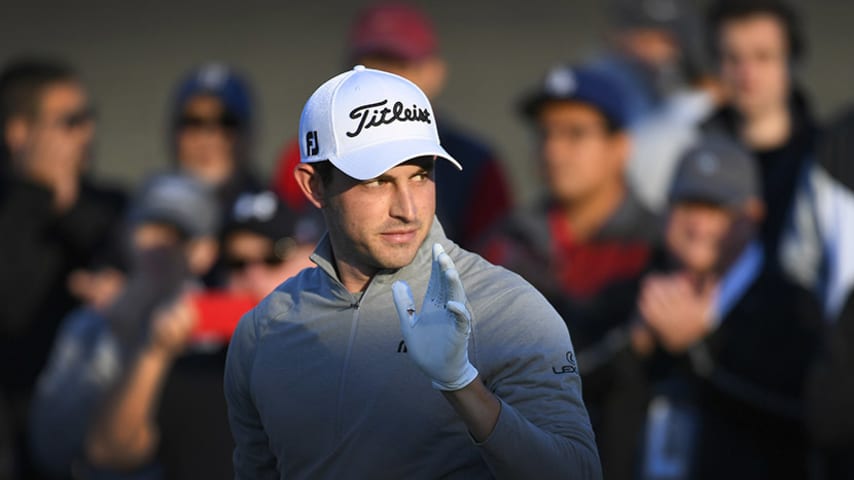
[[420, 177], [373, 183]]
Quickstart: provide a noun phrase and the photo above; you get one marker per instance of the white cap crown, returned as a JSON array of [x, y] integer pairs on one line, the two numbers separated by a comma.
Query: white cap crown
[[367, 121]]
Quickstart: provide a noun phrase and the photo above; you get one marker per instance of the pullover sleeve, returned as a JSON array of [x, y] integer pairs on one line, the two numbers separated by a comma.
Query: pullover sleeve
[[253, 458], [543, 430]]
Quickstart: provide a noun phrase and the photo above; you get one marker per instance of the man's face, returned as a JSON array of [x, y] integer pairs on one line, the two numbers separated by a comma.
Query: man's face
[[152, 235], [580, 156], [754, 63], [380, 223], [61, 132], [206, 140], [700, 235], [257, 266]]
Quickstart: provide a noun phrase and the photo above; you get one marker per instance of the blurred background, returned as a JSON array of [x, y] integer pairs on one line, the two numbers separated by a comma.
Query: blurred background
[[693, 224], [130, 55]]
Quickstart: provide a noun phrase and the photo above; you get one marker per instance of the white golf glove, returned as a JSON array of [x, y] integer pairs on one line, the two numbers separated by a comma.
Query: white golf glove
[[437, 338]]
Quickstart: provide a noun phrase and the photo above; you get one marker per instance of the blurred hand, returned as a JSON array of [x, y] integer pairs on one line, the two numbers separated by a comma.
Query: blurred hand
[[171, 327], [677, 312], [97, 288]]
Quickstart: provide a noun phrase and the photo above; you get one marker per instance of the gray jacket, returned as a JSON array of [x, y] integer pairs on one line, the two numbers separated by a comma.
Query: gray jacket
[[318, 384]]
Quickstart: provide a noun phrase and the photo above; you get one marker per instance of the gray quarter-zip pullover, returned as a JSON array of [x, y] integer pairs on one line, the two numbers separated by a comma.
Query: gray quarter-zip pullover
[[319, 385]]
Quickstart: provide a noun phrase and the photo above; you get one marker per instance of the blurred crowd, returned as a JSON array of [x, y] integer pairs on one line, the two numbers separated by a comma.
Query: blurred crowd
[[695, 230]]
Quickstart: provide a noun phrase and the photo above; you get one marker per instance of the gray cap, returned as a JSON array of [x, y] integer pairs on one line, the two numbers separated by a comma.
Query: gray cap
[[715, 170], [180, 201]]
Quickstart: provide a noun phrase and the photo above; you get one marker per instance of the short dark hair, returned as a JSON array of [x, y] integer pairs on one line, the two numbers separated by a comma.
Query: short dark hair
[[724, 11], [325, 170], [23, 81]]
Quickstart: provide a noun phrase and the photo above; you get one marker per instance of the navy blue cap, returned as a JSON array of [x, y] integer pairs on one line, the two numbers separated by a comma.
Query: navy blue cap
[[580, 84], [221, 82]]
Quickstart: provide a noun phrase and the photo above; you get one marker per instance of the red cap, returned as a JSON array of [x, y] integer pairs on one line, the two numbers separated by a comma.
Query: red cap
[[394, 29]]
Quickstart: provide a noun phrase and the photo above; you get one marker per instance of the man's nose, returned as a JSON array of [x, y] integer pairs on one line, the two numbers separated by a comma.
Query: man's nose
[[403, 204]]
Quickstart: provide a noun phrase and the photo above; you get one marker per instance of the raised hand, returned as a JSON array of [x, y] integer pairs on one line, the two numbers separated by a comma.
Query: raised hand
[[437, 337]]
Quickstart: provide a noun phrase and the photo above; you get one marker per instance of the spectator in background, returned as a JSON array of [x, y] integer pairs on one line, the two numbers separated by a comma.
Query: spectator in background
[[399, 38], [654, 56], [212, 121], [265, 243], [128, 393], [53, 219], [586, 244], [823, 225], [212, 130], [758, 46], [733, 341]]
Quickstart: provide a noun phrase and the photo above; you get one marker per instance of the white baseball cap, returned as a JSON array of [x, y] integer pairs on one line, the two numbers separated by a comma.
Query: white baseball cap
[[367, 121]]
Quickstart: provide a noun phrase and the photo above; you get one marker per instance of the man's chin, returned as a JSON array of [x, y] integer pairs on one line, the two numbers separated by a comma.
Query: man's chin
[[393, 260], [395, 255]]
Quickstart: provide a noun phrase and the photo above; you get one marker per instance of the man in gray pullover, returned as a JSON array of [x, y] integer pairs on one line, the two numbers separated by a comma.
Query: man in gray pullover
[[330, 376]]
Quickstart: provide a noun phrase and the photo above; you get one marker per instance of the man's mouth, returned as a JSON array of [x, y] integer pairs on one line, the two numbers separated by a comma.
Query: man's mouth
[[400, 235]]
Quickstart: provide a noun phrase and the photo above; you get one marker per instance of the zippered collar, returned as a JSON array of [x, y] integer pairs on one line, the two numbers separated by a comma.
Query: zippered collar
[[324, 258]]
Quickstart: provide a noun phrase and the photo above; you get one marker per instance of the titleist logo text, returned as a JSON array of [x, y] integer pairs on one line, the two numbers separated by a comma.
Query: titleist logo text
[[372, 115]]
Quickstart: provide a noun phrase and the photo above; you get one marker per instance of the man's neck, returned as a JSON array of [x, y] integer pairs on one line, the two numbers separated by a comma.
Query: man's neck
[[586, 216], [355, 278], [767, 129]]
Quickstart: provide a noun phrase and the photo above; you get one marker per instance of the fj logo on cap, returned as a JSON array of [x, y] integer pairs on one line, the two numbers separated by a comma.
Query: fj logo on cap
[[371, 115], [311, 145]]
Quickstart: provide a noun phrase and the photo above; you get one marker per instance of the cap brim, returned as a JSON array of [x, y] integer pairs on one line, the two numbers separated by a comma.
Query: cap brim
[[721, 197], [531, 106], [374, 160]]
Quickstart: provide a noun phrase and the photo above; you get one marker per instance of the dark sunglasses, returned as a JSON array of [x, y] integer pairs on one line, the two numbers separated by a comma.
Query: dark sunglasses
[[77, 118], [227, 121], [239, 264]]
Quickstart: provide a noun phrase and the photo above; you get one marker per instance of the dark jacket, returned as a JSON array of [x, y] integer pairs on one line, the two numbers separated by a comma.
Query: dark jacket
[[38, 249], [743, 385], [829, 198], [470, 201], [779, 167]]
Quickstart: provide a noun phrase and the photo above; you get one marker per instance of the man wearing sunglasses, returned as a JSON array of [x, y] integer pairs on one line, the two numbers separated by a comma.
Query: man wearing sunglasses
[[211, 122], [52, 218], [265, 243], [212, 126]]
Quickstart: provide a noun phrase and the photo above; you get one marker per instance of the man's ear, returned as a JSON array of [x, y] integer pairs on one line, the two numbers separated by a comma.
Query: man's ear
[[309, 181]]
